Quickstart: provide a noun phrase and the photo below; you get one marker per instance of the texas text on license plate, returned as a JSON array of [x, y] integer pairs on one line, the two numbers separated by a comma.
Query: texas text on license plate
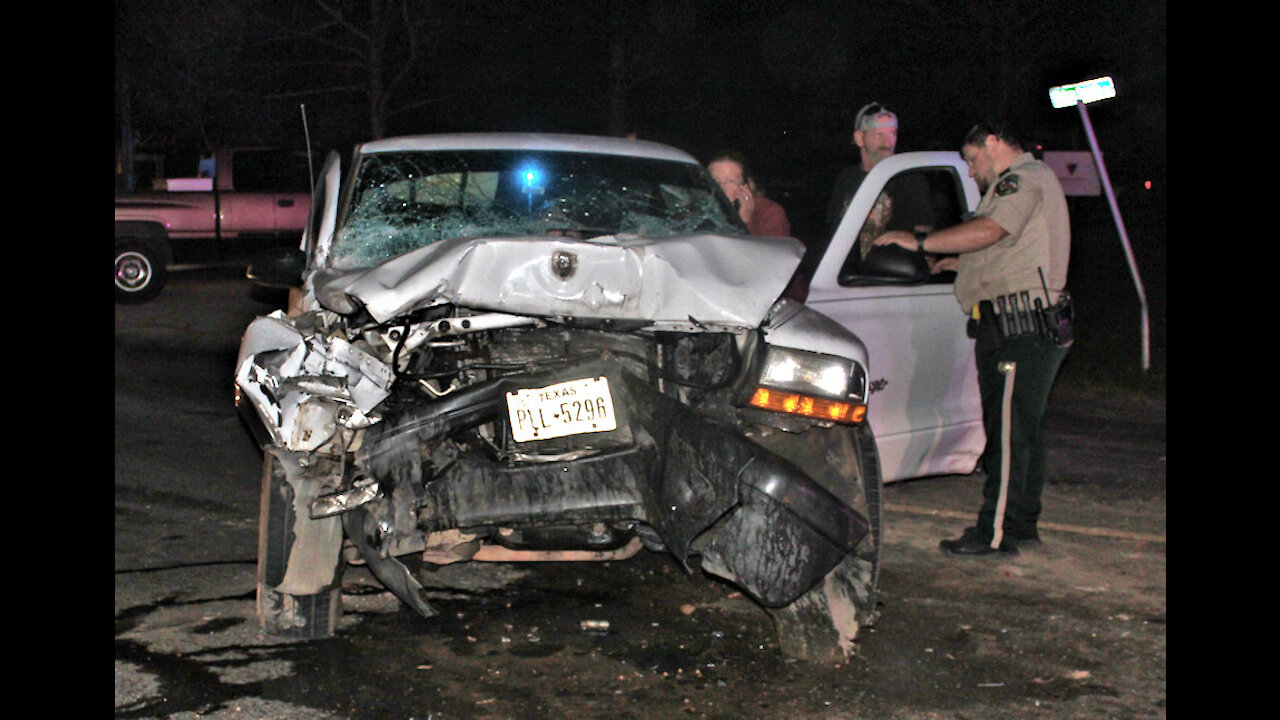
[[567, 408]]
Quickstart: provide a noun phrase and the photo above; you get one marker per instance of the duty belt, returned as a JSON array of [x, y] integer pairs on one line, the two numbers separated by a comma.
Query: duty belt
[[1014, 315]]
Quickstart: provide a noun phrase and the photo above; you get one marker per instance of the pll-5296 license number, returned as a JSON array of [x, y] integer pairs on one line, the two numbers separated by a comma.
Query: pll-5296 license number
[[567, 408]]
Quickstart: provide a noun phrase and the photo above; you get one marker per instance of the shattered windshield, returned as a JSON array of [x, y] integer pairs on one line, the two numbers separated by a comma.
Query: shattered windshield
[[406, 200]]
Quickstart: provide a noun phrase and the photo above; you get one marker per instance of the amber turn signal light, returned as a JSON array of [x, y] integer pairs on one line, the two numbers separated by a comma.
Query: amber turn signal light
[[808, 406]]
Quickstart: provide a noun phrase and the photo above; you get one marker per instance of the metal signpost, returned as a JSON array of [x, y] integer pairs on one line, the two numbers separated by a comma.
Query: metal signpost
[[1080, 94]]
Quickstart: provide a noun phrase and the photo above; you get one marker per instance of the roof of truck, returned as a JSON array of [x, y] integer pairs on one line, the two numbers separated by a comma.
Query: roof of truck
[[529, 141]]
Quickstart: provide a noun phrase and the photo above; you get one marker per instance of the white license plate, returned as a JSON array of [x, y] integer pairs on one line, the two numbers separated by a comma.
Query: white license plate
[[567, 408]]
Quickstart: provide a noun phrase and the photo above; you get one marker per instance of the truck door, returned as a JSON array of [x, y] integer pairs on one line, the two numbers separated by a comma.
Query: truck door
[[924, 407], [293, 193], [268, 200]]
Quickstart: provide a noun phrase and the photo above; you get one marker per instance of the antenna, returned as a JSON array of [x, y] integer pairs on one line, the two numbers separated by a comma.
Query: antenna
[[311, 171]]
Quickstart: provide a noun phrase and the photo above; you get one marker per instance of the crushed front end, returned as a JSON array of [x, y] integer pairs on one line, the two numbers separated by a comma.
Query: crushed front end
[[450, 436]]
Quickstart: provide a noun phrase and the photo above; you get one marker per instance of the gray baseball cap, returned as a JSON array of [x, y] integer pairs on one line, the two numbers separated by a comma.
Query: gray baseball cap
[[874, 115]]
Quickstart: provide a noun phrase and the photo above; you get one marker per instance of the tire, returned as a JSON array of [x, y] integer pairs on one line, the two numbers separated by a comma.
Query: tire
[[140, 272], [822, 624], [307, 617]]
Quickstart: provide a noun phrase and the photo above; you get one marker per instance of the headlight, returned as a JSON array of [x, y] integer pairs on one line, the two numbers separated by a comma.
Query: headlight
[[822, 387]]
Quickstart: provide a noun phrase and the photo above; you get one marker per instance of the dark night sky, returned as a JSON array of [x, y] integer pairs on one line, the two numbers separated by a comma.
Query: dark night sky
[[780, 80]]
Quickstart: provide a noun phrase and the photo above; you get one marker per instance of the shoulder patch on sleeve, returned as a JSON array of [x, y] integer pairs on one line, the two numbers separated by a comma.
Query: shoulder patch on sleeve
[[1008, 185]]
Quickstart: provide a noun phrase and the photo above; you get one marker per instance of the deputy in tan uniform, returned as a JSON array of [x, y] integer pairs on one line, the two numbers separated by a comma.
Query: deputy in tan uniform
[[1011, 276]]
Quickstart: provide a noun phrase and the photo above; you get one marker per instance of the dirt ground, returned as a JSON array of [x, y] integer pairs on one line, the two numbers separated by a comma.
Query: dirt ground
[[1073, 629]]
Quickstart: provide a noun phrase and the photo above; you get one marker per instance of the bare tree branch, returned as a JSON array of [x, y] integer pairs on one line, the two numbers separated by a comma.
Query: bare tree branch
[[336, 13], [317, 91]]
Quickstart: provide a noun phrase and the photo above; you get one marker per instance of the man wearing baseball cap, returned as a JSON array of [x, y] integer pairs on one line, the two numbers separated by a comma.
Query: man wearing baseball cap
[[875, 132]]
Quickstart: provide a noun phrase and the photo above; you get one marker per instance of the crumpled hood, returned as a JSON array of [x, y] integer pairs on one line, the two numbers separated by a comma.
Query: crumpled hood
[[712, 280]]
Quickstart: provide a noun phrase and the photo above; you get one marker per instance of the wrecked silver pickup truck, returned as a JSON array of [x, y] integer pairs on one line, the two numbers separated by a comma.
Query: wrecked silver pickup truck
[[512, 347]]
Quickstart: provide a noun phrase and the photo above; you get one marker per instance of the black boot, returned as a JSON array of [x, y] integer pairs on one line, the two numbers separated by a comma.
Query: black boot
[[974, 542], [1025, 538]]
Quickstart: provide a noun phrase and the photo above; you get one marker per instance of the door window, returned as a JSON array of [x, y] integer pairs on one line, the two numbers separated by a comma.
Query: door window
[[925, 199]]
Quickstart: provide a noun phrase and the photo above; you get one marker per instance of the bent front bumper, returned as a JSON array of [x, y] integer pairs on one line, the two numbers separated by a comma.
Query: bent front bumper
[[754, 517]]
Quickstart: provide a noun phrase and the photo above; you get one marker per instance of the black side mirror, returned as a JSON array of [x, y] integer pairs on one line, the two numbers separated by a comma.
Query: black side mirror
[[277, 268]]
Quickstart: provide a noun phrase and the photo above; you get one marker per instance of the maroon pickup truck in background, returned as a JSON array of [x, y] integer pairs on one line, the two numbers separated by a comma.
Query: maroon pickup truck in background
[[253, 199]]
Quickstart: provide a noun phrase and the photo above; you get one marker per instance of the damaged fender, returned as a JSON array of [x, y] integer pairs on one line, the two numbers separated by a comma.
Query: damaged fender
[[303, 383]]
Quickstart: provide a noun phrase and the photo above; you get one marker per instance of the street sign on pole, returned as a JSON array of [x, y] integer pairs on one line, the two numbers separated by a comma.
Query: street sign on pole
[[1079, 94], [1086, 92]]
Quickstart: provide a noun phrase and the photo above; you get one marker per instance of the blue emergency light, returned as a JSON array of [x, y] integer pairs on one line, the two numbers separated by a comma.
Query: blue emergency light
[[532, 180]]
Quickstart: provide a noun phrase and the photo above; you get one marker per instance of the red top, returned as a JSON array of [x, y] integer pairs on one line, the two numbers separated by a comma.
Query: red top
[[768, 218]]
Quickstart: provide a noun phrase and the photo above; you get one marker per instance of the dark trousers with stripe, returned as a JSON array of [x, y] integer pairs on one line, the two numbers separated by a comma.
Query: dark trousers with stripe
[[1036, 365]]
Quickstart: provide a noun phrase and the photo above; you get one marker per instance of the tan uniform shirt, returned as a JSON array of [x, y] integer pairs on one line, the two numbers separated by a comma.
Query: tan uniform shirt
[[1027, 202]]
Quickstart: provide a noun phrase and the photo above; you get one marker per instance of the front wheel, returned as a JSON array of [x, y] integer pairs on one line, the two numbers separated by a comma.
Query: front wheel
[[140, 273], [303, 615], [821, 625]]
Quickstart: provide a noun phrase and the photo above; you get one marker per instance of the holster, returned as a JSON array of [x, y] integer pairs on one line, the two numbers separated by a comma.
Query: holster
[[1059, 319], [1012, 316]]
